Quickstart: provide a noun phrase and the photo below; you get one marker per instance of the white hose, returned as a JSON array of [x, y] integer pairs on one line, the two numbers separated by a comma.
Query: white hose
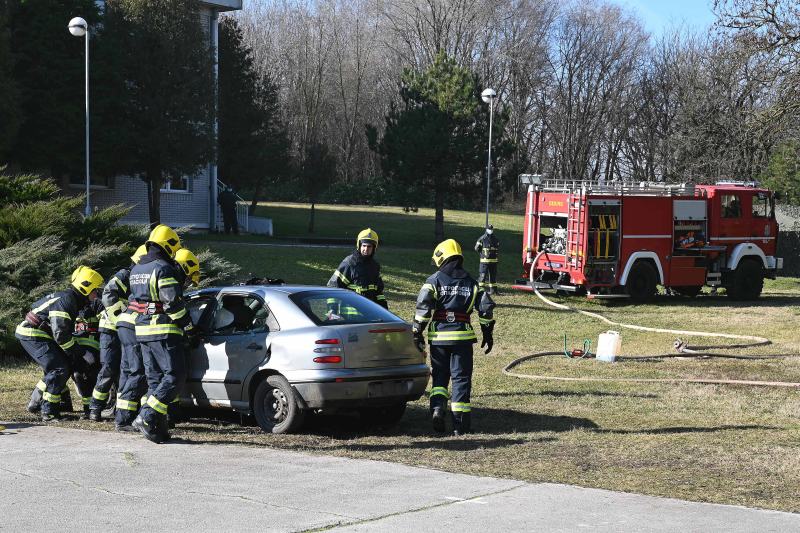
[[755, 341]]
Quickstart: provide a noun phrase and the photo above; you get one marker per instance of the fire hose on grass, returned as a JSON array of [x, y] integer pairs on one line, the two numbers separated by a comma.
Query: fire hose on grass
[[682, 347]]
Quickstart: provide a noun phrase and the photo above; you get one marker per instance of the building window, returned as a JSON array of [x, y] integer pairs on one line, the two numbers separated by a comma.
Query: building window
[[179, 184], [731, 206], [77, 181]]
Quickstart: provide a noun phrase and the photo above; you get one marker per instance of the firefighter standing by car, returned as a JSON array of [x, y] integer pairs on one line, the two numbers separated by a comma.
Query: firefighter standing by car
[[187, 273], [157, 297], [115, 301], [488, 246], [47, 334], [359, 271], [444, 305]]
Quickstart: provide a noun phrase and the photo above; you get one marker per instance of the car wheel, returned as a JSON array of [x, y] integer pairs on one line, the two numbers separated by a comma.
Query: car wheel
[[385, 416], [642, 280], [748, 280], [275, 407]]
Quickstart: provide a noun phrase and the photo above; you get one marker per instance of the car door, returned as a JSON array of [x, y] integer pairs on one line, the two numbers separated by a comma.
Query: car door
[[237, 340]]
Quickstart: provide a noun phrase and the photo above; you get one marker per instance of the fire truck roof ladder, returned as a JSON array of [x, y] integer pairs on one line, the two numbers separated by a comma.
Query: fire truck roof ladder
[[617, 188]]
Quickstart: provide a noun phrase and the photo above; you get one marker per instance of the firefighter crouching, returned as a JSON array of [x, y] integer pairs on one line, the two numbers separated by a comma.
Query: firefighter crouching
[[444, 304], [47, 334], [157, 297], [488, 247], [115, 301], [86, 367], [359, 271]]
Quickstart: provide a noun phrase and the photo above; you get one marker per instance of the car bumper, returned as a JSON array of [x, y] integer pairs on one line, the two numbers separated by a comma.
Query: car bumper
[[360, 387]]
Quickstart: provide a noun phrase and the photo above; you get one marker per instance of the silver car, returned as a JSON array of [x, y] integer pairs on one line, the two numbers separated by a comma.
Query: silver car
[[278, 352]]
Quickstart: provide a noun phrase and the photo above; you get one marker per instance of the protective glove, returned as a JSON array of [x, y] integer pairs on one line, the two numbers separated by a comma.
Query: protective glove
[[419, 341], [89, 358], [488, 336]]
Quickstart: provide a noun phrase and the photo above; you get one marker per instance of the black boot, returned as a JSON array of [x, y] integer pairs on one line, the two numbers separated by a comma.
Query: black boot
[[95, 414], [35, 403], [151, 433], [87, 413], [437, 418], [66, 402], [51, 413], [462, 424]]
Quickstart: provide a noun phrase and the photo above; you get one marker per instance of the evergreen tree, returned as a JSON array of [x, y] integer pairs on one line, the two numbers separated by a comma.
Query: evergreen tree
[[49, 74], [9, 115], [253, 146], [783, 172], [159, 121], [435, 143]]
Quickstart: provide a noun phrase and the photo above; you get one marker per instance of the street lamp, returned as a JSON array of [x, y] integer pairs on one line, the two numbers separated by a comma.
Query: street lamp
[[488, 96], [79, 28]]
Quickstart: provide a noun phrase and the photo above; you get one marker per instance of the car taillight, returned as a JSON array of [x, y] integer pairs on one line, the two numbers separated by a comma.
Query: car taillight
[[327, 341], [328, 359]]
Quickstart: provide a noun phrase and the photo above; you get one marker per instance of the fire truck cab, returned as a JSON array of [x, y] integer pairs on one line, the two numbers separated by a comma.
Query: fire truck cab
[[617, 239]]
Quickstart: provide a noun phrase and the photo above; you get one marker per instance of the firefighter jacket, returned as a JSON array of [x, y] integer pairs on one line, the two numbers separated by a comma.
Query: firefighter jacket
[[53, 317], [157, 297], [115, 299], [445, 304], [362, 275], [87, 325], [488, 246]]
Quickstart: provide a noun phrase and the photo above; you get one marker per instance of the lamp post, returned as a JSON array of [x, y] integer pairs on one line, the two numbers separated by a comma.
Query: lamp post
[[488, 96], [79, 28]]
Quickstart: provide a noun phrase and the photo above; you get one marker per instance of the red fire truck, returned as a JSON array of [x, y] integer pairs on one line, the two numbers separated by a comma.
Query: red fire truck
[[623, 240]]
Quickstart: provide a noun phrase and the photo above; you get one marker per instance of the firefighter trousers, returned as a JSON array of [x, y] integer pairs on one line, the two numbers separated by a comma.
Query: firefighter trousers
[[452, 363], [132, 383], [56, 367], [166, 373], [85, 376], [487, 277], [110, 357]]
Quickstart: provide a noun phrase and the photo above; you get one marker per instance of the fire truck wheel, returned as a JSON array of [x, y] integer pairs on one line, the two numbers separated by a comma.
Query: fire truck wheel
[[747, 281], [689, 292], [642, 280]]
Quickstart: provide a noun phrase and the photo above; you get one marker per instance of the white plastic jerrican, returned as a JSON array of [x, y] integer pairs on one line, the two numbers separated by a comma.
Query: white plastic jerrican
[[608, 346]]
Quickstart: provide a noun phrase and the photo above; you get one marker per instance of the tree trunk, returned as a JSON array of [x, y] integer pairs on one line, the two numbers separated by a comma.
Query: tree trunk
[[438, 230], [154, 196], [256, 198], [311, 219]]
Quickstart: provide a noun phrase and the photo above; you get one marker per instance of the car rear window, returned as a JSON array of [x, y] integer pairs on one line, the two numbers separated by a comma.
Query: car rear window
[[332, 308]]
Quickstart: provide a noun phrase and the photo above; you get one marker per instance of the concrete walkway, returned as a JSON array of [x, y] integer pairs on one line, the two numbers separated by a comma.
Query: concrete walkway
[[54, 479]]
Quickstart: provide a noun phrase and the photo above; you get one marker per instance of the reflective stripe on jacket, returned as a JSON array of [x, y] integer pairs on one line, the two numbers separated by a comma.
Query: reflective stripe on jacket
[[157, 279], [115, 299], [451, 290], [58, 312], [361, 275]]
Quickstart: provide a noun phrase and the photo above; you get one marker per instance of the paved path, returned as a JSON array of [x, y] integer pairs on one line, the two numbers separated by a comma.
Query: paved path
[[56, 479]]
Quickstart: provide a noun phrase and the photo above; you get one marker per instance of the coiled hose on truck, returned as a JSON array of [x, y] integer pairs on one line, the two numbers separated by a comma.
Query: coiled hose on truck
[[683, 348]]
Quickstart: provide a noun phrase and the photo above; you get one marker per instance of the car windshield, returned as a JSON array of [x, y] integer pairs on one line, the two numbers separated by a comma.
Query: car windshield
[[332, 308]]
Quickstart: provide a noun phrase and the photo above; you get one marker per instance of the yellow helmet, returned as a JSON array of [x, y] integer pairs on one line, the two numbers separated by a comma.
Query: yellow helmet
[[189, 263], [445, 250], [140, 252], [85, 280], [166, 238], [369, 236]]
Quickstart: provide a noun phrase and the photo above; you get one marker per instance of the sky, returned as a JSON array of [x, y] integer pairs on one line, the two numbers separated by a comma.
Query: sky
[[659, 15]]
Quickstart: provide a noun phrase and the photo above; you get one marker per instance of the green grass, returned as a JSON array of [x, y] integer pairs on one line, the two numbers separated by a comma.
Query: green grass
[[724, 444]]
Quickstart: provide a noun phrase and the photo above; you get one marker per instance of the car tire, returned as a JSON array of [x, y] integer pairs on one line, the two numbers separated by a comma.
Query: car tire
[[642, 281], [747, 281], [275, 407], [386, 416]]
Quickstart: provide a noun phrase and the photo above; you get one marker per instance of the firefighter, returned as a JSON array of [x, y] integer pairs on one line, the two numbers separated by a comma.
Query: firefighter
[[488, 247], [444, 305], [157, 295], [115, 301], [359, 271], [47, 334], [86, 367], [188, 274]]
